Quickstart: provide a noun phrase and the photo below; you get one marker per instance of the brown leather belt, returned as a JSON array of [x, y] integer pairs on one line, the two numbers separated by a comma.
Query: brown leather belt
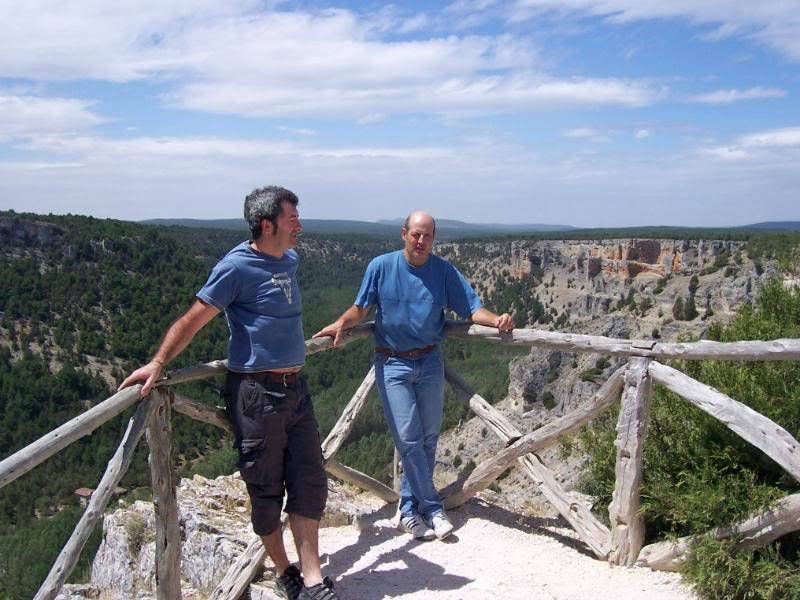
[[415, 353], [286, 378]]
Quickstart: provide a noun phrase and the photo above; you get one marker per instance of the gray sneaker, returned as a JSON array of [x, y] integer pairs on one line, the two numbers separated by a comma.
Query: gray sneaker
[[441, 525], [414, 525]]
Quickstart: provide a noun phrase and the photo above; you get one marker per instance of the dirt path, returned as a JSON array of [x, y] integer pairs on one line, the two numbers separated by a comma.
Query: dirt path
[[492, 554]]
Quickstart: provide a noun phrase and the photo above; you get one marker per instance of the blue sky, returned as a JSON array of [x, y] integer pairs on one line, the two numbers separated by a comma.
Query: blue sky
[[591, 113]]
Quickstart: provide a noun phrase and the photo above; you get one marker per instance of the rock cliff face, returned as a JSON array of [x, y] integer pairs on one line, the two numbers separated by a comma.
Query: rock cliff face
[[215, 529], [15, 230], [615, 288], [624, 259]]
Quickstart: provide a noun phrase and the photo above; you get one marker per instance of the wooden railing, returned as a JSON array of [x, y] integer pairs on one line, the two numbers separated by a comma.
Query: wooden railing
[[632, 384]]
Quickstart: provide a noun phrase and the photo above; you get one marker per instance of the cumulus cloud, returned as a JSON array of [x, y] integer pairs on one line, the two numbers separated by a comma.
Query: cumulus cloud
[[731, 96], [236, 58], [771, 145], [775, 23], [27, 115]]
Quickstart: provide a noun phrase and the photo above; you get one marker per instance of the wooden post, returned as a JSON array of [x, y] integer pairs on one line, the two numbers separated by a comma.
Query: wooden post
[[764, 433], [359, 479], [489, 470], [344, 425], [31, 455], [201, 412], [165, 502], [241, 573], [593, 533], [627, 526], [117, 467], [757, 530]]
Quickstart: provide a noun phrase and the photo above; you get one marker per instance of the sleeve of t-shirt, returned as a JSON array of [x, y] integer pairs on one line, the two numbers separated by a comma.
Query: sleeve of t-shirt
[[461, 298], [222, 286], [368, 293]]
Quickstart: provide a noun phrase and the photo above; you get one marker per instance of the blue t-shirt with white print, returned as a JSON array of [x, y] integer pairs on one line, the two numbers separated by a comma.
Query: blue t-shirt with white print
[[411, 300], [261, 300]]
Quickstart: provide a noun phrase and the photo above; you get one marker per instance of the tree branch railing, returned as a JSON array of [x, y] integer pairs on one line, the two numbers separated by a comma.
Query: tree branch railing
[[632, 384]]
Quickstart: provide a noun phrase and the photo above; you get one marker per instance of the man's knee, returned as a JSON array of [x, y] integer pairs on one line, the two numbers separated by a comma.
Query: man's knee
[[308, 493], [265, 512]]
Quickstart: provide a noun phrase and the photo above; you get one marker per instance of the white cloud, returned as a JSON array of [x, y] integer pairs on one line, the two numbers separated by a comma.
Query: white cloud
[[26, 115], [642, 134], [236, 58], [731, 96], [297, 130], [580, 132], [102, 149], [586, 133], [371, 118], [154, 177], [769, 146], [775, 23], [773, 138]]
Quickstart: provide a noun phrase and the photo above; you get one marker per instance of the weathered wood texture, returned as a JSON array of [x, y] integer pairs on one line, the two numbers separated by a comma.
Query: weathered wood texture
[[241, 573], [590, 530], [320, 344], [344, 425], [545, 436], [24, 460], [499, 425], [117, 467], [165, 502], [359, 479], [215, 367], [782, 349], [757, 530], [202, 412], [627, 526], [763, 433]]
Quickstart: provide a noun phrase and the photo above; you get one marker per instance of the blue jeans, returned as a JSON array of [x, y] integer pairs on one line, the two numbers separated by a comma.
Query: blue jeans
[[412, 392]]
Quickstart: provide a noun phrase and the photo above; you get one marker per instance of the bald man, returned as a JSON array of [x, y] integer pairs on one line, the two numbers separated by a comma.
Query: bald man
[[411, 288]]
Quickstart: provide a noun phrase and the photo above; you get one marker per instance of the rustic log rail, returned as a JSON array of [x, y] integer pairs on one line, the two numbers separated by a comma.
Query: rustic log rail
[[632, 384]]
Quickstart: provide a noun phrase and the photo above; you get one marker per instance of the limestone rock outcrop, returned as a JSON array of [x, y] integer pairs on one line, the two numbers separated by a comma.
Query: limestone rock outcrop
[[215, 529]]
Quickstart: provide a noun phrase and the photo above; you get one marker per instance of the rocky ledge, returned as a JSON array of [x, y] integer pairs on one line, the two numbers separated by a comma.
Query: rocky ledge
[[215, 529]]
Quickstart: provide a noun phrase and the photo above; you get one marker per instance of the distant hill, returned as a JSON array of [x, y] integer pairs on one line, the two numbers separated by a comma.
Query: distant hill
[[446, 228], [774, 226]]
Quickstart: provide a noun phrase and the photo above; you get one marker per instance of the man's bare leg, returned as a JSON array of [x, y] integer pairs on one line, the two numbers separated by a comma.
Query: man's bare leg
[[306, 540], [273, 543]]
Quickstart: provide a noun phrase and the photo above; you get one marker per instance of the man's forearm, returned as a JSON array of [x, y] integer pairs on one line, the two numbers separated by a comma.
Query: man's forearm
[[175, 340], [183, 330], [483, 316]]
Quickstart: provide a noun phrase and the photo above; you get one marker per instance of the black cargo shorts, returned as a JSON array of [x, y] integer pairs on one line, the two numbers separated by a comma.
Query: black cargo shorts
[[277, 438]]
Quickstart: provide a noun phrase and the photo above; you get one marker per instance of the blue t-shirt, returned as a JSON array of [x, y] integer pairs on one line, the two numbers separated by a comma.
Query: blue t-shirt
[[411, 300], [261, 300]]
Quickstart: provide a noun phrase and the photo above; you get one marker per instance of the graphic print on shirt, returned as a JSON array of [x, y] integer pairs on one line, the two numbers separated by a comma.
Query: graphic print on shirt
[[283, 281]]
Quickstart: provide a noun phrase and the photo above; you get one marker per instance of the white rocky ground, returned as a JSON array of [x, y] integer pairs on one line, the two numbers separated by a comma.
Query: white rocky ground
[[494, 553]]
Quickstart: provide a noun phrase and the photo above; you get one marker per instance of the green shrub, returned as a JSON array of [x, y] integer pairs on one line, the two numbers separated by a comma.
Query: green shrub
[[720, 569], [698, 474]]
